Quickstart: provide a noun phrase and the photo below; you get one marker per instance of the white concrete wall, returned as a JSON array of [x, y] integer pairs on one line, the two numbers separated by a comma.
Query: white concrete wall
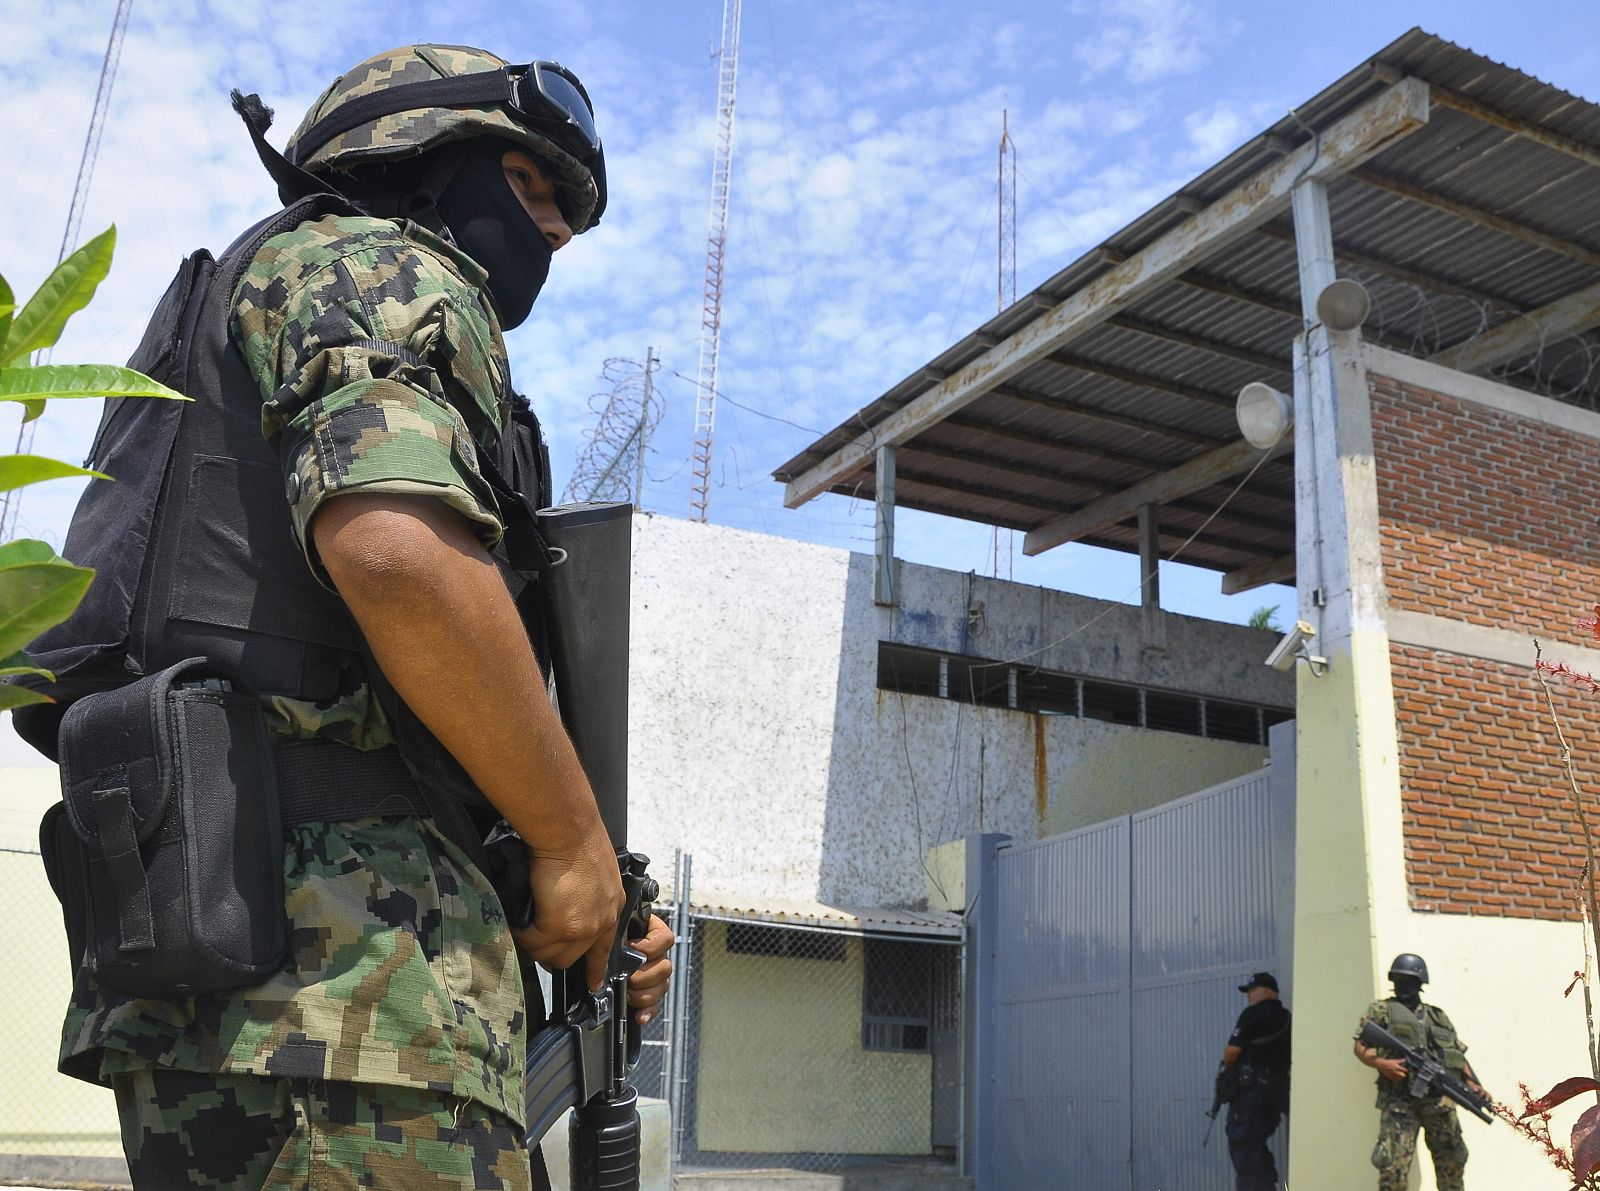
[[762, 745], [41, 1111]]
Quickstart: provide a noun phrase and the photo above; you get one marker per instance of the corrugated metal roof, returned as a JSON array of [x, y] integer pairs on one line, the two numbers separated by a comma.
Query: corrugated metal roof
[[875, 921], [1155, 385]]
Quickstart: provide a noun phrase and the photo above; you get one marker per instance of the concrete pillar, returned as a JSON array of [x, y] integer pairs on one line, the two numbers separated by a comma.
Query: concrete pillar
[[883, 588], [1347, 772], [1154, 624]]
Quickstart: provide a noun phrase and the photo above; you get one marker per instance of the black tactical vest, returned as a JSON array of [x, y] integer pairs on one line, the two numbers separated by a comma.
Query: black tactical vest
[[192, 544]]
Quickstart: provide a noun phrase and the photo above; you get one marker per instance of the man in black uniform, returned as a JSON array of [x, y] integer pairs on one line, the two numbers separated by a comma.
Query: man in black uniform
[[1259, 1046]]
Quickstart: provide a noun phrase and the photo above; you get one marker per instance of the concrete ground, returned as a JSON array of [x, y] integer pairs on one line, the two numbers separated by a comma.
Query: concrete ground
[[881, 1176]]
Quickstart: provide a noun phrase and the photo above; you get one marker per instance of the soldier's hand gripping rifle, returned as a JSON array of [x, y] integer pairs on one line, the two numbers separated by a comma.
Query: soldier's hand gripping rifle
[[1425, 1075], [582, 1057], [1225, 1090]]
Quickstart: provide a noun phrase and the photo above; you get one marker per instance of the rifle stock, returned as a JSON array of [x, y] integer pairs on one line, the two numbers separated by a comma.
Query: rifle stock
[[1425, 1074], [587, 608]]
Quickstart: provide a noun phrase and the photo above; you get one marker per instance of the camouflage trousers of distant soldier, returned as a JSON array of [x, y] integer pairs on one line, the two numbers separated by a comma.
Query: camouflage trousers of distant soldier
[[1397, 1143], [186, 1129]]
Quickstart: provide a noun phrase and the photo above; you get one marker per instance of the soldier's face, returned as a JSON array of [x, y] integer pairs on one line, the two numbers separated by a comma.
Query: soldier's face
[[537, 194]]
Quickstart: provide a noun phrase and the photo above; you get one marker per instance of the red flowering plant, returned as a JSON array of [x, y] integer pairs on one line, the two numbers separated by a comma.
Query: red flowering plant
[[1581, 1159]]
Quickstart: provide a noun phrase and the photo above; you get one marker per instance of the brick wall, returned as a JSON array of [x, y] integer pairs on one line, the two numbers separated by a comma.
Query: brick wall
[[1491, 519], [1489, 825], [1485, 517]]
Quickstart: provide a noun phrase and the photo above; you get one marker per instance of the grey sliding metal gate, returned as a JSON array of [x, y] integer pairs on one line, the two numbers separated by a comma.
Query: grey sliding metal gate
[[1103, 974]]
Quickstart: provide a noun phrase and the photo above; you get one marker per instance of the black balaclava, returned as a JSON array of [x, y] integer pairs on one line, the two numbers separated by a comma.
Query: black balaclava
[[490, 225], [1408, 991]]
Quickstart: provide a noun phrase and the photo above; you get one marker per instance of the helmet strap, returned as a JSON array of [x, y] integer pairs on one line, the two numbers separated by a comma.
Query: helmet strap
[[420, 205], [293, 182]]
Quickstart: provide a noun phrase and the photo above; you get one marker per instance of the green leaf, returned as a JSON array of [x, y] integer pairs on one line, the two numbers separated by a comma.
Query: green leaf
[[18, 471], [20, 696], [9, 301], [11, 671], [21, 663], [26, 551], [31, 410], [24, 383], [65, 292], [34, 596]]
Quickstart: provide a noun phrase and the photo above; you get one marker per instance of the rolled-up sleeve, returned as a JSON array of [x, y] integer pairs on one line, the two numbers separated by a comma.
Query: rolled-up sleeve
[[346, 339]]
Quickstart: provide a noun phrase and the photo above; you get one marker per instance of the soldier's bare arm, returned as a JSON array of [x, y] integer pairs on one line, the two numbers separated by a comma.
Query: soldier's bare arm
[[441, 624], [1394, 1070]]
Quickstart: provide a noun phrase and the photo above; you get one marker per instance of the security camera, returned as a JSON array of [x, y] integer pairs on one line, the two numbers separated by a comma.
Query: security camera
[[1294, 644]]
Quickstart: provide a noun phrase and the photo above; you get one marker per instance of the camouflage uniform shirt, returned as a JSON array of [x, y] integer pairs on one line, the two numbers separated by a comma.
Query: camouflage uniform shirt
[[382, 369], [1379, 1011]]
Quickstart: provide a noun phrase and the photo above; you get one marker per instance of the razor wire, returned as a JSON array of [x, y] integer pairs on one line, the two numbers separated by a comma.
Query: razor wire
[[1564, 365]]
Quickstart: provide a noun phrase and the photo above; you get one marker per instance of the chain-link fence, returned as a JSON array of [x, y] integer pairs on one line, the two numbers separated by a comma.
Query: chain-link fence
[[803, 1048], [51, 1127]]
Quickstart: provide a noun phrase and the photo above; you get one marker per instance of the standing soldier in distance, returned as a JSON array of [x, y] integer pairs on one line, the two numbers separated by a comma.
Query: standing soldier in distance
[[1422, 1027], [389, 1051], [1259, 1046]]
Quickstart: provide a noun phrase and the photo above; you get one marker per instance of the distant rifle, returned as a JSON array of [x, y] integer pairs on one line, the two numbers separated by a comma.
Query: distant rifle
[[582, 1057], [1425, 1075], [1224, 1091]]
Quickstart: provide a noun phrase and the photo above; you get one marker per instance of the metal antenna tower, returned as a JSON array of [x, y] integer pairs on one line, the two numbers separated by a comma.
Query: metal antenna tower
[[11, 506], [705, 411], [627, 415], [1006, 272], [1006, 257]]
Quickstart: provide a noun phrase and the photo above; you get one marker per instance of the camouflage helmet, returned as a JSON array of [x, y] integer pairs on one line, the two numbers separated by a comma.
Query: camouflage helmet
[[364, 130], [1409, 964]]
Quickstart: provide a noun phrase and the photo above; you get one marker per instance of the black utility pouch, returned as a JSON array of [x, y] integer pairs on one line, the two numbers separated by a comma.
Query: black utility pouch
[[172, 796]]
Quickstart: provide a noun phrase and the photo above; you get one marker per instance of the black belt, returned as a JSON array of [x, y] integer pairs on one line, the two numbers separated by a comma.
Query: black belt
[[322, 781]]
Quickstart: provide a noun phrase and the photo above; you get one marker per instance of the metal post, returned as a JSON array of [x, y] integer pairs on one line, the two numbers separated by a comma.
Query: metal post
[[883, 591], [1155, 626], [979, 1006], [678, 1006]]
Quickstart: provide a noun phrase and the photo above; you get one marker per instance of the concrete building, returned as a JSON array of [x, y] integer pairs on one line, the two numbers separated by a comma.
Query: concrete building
[[1414, 254]]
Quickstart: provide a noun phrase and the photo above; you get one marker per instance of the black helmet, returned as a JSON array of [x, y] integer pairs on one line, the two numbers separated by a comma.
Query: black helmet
[[1407, 964]]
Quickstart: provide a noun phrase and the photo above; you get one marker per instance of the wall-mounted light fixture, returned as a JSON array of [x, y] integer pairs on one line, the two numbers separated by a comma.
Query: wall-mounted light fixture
[[1264, 414], [1343, 304]]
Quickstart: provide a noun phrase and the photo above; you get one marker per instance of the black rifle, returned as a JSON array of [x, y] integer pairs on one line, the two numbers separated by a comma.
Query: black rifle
[[1425, 1075], [582, 1057], [1225, 1090]]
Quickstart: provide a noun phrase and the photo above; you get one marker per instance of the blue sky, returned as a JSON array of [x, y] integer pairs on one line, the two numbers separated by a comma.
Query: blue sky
[[862, 229]]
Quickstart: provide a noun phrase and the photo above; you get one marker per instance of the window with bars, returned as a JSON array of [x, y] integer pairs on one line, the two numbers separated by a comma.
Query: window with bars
[[983, 682]]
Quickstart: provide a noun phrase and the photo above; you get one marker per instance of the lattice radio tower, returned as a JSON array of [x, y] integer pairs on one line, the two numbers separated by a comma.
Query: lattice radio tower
[[614, 454], [1006, 241], [1006, 272], [705, 411], [11, 506]]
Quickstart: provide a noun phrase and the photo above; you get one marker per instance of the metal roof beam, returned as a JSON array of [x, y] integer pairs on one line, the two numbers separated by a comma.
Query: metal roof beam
[[1521, 334], [1482, 112], [1057, 475], [1259, 574], [1377, 264], [1216, 347], [1477, 215], [1187, 478], [1142, 380], [943, 483], [1376, 124], [1094, 413], [1004, 463]]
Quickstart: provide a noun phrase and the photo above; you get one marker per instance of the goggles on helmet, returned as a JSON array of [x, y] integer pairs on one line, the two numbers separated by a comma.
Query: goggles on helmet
[[545, 96]]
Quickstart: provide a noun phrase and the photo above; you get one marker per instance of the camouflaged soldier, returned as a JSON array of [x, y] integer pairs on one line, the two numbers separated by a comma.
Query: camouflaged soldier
[[389, 1051], [1423, 1027]]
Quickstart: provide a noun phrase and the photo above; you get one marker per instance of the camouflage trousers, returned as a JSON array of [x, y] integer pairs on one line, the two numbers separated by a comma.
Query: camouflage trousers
[[244, 1132], [1397, 1143]]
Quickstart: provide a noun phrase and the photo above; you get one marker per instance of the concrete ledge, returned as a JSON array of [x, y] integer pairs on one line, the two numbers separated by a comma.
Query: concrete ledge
[[886, 1177], [54, 1170]]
